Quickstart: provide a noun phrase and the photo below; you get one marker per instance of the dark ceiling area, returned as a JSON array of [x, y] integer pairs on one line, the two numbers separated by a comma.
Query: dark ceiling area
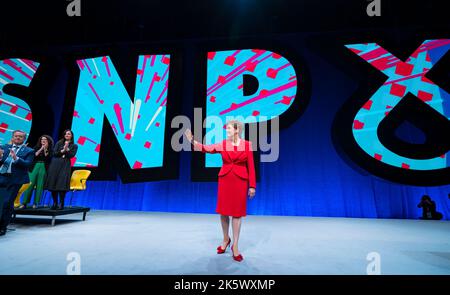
[[44, 23]]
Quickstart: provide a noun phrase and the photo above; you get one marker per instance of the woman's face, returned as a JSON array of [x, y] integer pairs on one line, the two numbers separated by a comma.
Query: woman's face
[[230, 131], [68, 136], [44, 141]]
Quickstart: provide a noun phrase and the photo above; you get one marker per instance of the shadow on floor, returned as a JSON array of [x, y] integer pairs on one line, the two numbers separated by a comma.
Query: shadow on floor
[[34, 221]]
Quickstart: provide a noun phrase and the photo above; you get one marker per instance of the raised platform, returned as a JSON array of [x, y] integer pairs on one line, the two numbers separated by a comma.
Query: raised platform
[[46, 211], [135, 243]]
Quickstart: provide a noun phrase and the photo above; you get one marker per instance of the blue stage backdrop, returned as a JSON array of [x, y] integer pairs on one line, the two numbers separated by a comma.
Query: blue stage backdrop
[[310, 178]]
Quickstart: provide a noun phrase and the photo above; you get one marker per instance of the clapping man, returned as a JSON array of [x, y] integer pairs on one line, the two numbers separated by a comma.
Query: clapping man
[[15, 160]]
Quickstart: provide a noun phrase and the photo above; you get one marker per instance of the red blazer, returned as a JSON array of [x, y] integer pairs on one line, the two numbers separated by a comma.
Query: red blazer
[[240, 162]]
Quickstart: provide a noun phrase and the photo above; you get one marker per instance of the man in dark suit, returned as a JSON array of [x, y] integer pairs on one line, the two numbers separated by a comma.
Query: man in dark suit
[[15, 160]]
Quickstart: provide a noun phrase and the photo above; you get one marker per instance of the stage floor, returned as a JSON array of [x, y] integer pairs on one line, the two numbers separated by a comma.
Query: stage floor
[[126, 242]]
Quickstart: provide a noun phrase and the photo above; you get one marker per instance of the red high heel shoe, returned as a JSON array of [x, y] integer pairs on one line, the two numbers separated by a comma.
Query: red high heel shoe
[[238, 258], [220, 250]]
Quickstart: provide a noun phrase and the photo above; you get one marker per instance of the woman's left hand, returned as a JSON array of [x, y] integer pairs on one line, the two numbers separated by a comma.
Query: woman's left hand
[[251, 192]]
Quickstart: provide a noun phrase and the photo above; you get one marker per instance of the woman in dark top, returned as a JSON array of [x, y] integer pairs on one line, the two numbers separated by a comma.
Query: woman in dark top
[[59, 172], [43, 152]]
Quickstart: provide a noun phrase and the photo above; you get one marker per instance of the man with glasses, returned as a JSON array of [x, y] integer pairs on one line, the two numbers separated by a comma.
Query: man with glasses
[[15, 160]]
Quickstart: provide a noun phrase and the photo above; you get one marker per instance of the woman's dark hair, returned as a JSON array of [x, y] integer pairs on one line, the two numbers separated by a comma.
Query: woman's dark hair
[[64, 134], [49, 139]]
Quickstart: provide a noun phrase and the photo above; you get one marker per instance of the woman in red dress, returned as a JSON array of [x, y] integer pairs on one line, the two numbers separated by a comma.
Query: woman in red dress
[[236, 181]]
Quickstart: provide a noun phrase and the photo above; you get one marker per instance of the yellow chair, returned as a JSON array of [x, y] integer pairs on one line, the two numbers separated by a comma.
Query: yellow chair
[[19, 194], [78, 182]]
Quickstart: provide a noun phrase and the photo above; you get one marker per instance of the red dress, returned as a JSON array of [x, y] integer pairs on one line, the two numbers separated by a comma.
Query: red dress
[[236, 176]]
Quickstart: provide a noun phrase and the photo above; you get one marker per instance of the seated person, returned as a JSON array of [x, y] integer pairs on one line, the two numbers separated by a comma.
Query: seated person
[[429, 209]]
